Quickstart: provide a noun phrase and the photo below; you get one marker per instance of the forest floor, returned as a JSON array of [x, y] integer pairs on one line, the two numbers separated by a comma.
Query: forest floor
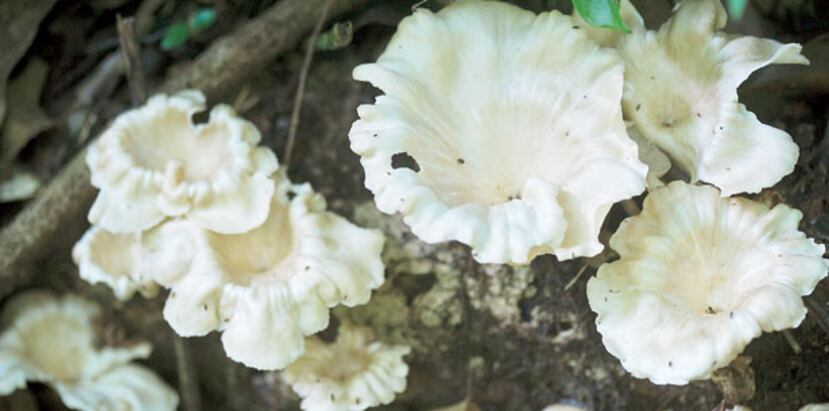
[[504, 338]]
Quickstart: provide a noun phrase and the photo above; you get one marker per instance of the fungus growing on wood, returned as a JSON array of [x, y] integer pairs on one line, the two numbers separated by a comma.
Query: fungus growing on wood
[[53, 341], [681, 93], [352, 374], [699, 277], [511, 128], [115, 260], [270, 287], [154, 162]]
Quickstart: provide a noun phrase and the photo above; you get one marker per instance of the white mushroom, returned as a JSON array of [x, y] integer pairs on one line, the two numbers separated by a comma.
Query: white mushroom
[[658, 163], [351, 374], [154, 162], [699, 277], [681, 93], [53, 341], [511, 128], [115, 260], [815, 407], [270, 287]]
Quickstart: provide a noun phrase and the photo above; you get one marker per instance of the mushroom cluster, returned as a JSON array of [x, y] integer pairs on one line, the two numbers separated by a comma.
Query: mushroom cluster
[[85, 376], [200, 209], [515, 133], [701, 273]]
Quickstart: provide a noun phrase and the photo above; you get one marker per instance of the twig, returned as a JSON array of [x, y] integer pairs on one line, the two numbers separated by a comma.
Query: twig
[[37, 231], [576, 277], [300, 88], [787, 334], [818, 311], [188, 383], [131, 57]]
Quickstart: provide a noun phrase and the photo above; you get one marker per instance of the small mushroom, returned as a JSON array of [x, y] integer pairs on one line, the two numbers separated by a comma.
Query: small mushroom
[[699, 277], [352, 374], [512, 130], [270, 287], [53, 341], [681, 94], [153, 162], [815, 407], [113, 259]]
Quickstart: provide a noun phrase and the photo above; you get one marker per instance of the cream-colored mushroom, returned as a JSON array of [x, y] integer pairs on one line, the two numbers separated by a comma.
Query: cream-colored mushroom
[[681, 94], [153, 162], [53, 341], [351, 374], [115, 260], [500, 129], [270, 287], [815, 407], [658, 163], [699, 277]]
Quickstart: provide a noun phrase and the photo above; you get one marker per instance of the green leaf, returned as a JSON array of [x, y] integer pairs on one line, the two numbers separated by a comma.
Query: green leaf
[[338, 37], [175, 36], [601, 13], [736, 8], [202, 19]]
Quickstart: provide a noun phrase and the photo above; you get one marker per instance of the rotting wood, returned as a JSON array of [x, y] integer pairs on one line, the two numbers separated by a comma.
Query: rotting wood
[[229, 61]]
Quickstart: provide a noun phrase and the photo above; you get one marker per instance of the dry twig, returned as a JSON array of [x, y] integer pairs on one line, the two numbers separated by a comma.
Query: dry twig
[[300, 88]]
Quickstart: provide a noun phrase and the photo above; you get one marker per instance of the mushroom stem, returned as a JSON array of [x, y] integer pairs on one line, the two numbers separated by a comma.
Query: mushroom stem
[[187, 378]]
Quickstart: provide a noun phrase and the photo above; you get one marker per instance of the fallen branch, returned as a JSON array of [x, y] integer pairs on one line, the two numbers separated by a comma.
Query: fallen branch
[[36, 231]]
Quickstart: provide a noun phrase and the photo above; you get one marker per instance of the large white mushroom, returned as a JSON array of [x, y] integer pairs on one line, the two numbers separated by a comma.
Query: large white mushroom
[[699, 277], [153, 162], [270, 287], [681, 94], [500, 129], [352, 374], [53, 341]]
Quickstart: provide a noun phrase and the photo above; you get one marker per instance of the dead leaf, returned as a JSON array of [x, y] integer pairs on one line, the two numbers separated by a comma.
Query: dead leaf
[[24, 117], [19, 21], [21, 185]]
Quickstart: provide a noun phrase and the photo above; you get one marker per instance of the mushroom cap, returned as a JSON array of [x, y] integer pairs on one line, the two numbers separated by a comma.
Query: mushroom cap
[[270, 287], [511, 126], [681, 93], [815, 407], [658, 162], [351, 374], [113, 259], [700, 276], [84, 376], [154, 162]]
